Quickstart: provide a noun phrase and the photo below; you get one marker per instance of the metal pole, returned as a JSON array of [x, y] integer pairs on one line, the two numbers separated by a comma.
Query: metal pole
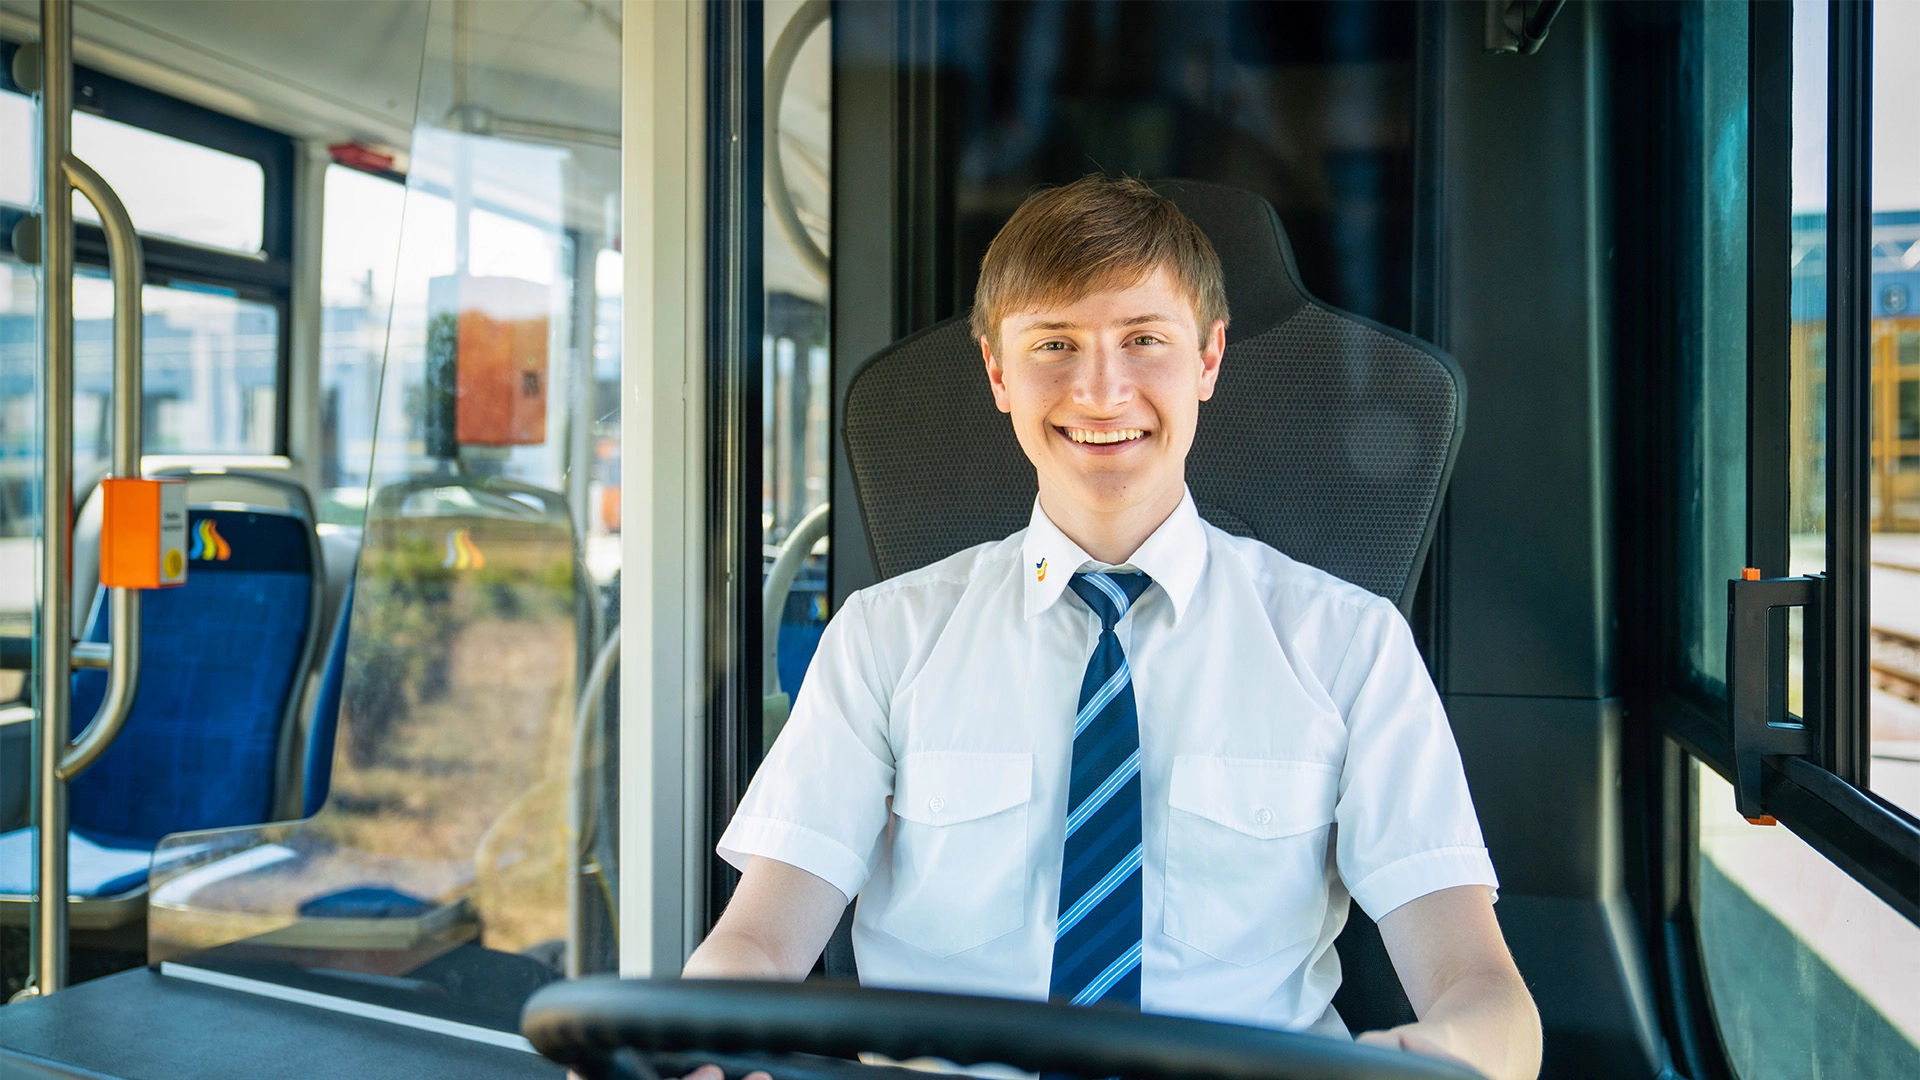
[[48, 934]]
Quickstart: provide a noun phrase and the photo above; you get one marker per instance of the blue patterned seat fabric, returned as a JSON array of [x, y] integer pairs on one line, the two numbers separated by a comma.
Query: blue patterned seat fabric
[[220, 656]]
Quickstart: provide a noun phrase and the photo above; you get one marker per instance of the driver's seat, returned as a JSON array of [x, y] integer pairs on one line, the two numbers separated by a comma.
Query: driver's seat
[[1331, 438]]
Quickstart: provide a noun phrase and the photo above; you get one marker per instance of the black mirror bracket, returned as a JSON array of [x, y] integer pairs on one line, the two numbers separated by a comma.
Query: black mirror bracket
[[1762, 726]]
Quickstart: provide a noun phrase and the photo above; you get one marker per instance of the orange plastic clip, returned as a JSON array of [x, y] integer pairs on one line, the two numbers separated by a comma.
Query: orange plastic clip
[[1750, 573], [1763, 819]]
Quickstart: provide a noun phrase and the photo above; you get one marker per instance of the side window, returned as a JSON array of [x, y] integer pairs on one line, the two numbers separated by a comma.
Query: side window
[[360, 245], [211, 199], [1810, 969]]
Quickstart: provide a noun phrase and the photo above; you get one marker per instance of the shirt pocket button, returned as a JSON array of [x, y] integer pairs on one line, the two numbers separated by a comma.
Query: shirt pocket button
[[1263, 816], [936, 804]]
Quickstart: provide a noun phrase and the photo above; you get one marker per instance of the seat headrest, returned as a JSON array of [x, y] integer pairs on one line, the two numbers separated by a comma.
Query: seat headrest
[[1263, 285]]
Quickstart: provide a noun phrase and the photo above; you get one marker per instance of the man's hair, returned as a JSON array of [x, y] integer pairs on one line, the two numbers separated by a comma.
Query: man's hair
[[1095, 234]]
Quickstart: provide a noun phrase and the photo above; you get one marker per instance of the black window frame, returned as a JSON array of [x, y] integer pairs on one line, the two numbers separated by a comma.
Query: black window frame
[[266, 278], [1659, 139]]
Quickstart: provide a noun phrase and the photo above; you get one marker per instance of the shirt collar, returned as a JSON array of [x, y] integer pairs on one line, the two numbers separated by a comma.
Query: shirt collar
[[1173, 557]]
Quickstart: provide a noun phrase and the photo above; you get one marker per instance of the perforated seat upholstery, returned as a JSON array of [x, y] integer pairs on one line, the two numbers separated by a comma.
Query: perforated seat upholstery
[[1329, 437]]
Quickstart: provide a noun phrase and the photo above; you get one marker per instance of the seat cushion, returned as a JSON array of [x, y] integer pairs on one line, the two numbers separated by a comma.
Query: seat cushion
[[97, 865]]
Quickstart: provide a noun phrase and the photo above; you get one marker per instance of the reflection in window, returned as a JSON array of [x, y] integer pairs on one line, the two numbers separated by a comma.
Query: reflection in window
[[1894, 771], [1713, 378], [1809, 973]]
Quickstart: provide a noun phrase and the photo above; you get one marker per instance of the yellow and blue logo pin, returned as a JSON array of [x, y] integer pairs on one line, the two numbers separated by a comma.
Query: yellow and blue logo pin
[[1040, 570]]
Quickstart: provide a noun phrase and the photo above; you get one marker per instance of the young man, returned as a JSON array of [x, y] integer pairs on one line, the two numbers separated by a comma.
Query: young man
[[1122, 756]]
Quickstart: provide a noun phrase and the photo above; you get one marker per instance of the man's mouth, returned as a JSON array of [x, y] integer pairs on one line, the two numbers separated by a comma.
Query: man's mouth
[[1092, 437]]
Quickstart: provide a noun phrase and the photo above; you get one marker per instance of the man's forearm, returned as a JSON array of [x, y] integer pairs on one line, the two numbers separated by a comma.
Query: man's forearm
[[734, 955], [1488, 1020], [774, 927]]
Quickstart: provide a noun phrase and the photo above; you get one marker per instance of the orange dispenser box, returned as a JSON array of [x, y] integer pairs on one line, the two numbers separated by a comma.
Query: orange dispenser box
[[143, 533]]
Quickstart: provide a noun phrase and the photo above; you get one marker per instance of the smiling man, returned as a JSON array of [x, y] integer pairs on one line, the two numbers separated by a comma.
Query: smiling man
[[1122, 757]]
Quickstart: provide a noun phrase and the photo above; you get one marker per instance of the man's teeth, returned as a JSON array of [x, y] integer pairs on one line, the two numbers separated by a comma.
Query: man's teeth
[[1103, 437]]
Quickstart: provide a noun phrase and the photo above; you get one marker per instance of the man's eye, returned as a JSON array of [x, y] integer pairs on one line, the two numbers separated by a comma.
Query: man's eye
[[1146, 339], [1052, 346]]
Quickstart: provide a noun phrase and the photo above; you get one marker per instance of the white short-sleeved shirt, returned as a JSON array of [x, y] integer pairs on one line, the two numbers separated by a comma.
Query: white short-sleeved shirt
[[1293, 752]]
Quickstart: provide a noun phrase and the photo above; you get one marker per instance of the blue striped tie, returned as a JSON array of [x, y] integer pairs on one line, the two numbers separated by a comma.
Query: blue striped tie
[[1096, 949]]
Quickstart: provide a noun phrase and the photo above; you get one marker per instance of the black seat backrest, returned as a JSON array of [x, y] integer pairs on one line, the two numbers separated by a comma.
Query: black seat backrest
[[1329, 437]]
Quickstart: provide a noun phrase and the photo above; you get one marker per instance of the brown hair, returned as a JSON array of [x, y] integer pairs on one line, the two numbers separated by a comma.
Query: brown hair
[[1095, 234]]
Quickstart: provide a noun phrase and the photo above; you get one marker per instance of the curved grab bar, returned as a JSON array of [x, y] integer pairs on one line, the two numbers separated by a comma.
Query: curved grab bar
[[585, 730], [812, 15], [124, 260], [773, 595]]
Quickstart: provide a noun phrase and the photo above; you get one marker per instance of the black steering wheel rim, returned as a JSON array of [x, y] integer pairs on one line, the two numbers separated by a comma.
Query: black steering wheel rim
[[581, 1023]]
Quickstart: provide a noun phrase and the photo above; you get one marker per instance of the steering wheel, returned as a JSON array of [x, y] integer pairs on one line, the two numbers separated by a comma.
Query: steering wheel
[[604, 1027]]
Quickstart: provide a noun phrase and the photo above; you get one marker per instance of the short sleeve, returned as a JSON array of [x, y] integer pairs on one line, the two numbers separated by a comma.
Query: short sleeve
[[819, 800], [1406, 824]]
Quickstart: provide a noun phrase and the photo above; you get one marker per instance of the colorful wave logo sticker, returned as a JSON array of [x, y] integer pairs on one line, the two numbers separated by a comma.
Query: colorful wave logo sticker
[[462, 552], [1040, 570], [208, 544]]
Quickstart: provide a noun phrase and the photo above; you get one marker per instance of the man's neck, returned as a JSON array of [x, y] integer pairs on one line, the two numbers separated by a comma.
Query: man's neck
[[1111, 538]]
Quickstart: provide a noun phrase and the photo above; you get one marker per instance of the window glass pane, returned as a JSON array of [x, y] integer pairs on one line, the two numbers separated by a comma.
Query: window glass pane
[[1807, 348], [174, 188], [212, 372], [20, 165], [1894, 771], [1809, 973], [796, 386], [472, 800], [19, 471], [359, 247], [1714, 378]]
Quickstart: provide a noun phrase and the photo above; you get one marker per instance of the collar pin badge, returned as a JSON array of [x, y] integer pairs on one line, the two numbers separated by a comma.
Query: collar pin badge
[[1040, 570]]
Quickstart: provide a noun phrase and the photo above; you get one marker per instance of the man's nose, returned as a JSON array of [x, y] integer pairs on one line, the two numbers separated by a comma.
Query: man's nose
[[1103, 382]]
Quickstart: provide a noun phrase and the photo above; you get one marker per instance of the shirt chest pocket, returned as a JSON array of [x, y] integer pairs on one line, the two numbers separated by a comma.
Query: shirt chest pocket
[[959, 849], [1247, 854]]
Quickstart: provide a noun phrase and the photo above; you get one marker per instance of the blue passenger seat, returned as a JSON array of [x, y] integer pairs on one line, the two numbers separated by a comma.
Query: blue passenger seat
[[223, 662]]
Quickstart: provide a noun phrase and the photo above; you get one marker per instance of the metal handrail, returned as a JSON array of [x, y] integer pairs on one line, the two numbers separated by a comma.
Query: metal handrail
[[47, 936], [810, 17], [773, 595], [56, 758], [124, 261], [586, 728]]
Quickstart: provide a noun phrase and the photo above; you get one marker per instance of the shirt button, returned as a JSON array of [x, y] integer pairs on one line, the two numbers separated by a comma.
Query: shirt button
[[1263, 816], [936, 804]]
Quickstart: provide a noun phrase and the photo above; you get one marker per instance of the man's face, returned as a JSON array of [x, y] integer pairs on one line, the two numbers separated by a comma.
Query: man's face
[[1105, 392]]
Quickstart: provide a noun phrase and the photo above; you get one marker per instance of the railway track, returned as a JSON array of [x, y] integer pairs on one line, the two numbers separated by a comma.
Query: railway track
[[1896, 663]]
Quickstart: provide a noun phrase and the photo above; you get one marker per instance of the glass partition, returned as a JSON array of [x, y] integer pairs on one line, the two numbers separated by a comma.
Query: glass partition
[[796, 386], [464, 851]]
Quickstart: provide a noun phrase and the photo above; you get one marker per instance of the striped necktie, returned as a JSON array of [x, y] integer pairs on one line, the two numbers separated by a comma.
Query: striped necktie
[[1096, 948]]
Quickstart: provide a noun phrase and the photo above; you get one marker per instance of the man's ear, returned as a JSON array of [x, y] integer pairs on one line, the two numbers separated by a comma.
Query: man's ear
[[1211, 354], [996, 378]]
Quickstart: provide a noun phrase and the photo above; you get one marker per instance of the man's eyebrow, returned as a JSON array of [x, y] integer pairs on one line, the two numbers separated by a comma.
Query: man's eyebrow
[[1135, 320]]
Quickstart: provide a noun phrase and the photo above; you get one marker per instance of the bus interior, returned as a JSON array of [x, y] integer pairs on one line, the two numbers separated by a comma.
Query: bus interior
[[420, 323]]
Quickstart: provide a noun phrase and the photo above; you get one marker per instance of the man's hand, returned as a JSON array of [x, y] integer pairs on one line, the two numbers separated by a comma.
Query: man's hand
[[1474, 1010]]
